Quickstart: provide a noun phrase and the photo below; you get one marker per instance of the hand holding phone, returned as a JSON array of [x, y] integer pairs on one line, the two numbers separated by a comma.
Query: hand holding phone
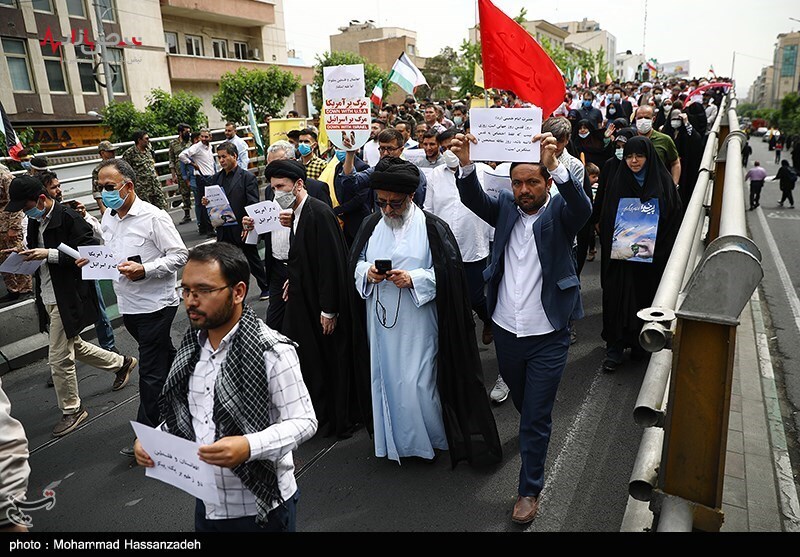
[[383, 266]]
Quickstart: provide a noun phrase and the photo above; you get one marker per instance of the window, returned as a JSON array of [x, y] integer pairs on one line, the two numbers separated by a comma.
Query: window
[[194, 45], [8, 3], [412, 49], [116, 60], [42, 6], [54, 69], [75, 8], [17, 60], [107, 10], [240, 50], [789, 64], [220, 47], [171, 42], [86, 66]]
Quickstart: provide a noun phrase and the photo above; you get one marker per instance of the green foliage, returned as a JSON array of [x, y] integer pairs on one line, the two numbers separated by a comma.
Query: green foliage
[[164, 111], [440, 75], [789, 114], [463, 68], [26, 138], [522, 17], [372, 74], [746, 110], [267, 90]]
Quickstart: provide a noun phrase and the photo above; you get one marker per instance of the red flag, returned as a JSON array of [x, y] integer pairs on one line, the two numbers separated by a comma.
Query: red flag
[[514, 61]]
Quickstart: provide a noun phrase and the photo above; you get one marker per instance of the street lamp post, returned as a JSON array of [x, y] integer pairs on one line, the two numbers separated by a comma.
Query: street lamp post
[[101, 39]]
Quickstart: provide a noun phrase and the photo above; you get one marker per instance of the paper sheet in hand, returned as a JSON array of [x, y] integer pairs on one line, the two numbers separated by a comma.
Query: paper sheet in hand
[[64, 248], [216, 196], [505, 134], [494, 183], [266, 214], [102, 263], [177, 463], [219, 209], [417, 156], [16, 265]]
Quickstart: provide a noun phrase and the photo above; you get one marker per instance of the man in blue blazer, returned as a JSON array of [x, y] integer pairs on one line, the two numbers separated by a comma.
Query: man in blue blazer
[[533, 291]]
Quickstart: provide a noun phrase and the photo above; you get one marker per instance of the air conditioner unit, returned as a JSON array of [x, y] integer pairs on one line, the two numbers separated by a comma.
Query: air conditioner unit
[[255, 54]]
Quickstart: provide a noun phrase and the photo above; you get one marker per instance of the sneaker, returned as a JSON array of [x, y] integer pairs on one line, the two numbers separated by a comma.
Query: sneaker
[[69, 422], [177, 203], [186, 219], [609, 365], [127, 451], [124, 373], [264, 296], [500, 391]]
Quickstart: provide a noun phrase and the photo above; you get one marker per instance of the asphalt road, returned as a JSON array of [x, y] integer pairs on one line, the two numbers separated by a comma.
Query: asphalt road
[[344, 487]]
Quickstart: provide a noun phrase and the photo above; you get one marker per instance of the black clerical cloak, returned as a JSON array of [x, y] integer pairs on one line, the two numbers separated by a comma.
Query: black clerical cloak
[[318, 282], [468, 420]]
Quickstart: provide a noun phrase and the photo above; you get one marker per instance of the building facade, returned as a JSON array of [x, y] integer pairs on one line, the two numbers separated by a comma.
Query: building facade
[[587, 35], [52, 78], [629, 66], [786, 68]]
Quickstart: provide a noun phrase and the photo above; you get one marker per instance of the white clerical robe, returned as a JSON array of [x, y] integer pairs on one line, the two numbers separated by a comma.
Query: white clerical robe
[[406, 409]]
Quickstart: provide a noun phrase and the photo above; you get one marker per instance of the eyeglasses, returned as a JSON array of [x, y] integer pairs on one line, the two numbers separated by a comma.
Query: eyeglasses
[[383, 149], [396, 205], [199, 293], [111, 187]]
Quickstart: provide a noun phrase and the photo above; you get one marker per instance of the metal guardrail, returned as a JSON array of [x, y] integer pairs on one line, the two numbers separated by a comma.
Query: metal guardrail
[[684, 400]]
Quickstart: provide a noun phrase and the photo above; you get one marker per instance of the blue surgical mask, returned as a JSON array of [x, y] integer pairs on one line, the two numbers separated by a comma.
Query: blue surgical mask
[[619, 152], [112, 199], [26, 165], [35, 213], [458, 120], [304, 149], [587, 104], [341, 155]]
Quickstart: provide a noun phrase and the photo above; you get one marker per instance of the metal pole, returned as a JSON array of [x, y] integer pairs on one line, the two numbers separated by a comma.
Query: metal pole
[[733, 219], [645, 470], [101, 40], [649, 408]]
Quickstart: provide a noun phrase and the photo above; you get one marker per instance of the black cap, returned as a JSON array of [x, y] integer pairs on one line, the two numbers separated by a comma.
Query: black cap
[[292, 170], [22, 190]]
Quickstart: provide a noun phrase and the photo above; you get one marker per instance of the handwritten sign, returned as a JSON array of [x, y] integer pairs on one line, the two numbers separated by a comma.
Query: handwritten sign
[[495, 182], [102, 263], [177, 463], [505, 134], [348, 122], [266, 214], [343, 82], [16, 265]]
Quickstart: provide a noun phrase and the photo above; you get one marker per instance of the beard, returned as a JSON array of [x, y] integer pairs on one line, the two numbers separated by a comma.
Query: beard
[[399, 218], [205, 322], [530, 204]]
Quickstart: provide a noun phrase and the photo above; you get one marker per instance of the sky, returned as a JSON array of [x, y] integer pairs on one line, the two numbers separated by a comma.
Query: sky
[[707, 33]]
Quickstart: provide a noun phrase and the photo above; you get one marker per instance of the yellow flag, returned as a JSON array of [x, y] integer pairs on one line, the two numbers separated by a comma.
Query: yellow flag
[[477, 102], [278, 127], [328, 176], [609, 81], [479, 76], [322, 140]]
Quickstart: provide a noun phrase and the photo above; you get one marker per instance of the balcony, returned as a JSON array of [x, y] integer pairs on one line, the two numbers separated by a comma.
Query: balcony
[[244, 13], [202, 69]]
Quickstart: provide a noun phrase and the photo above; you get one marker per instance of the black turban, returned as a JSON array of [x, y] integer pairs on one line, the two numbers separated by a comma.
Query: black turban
[[395, 174], [294, 170]]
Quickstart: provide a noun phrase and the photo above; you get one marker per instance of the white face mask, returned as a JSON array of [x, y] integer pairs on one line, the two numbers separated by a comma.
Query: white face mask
[[583, 135], [676, 123], [285, 198], [619, 152], [451, 159], [644, 126]]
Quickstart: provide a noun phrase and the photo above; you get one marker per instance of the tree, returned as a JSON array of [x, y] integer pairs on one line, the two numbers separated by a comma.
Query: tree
[[25, 137], [439, 73], [463, 68], [266, 90], [372, 74], [163, 113], [523, 13], [789, 115]]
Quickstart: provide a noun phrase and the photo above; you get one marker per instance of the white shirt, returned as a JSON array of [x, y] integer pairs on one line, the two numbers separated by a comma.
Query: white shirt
[[148, 232], [443, 200], [241, 146], [291, 415], [371, 153], [280, 244], [519, 308], [202, 156]]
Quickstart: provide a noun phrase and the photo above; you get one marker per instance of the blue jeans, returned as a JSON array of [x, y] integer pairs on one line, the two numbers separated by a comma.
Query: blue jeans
[[532, 369], [282, 518], [103, 328]]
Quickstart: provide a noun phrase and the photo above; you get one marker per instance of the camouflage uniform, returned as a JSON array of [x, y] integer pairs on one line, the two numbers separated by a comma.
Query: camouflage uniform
[[176, 167], [20, 284], [147, 185]]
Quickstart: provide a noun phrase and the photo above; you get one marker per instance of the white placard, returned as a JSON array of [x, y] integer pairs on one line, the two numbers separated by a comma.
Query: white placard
[[266, 214], [343, 82], [494, 183], [177, 463], [216, 196], [416, 156], [252, 238], [348, 122], [102, 263], [505, 134], [65, 249], [16, 265]]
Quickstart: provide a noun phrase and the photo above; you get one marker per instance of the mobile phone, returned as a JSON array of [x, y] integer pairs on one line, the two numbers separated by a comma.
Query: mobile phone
[[136, 259], [383, 266], [72, 203]]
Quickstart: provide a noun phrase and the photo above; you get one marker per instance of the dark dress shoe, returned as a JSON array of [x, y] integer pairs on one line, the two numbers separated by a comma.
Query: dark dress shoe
[[525, 509]]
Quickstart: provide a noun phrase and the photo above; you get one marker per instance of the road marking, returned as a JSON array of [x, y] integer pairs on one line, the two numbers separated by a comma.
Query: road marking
[[786, 216], [783, 273]]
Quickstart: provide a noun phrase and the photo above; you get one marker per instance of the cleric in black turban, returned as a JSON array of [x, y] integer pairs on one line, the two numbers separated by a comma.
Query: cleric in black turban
[[294, 170], [396, 175]]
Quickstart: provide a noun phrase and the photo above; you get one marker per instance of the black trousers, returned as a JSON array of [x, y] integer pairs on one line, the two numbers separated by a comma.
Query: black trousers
[[277, 307], [755, 193], [477, 292], [786, 195], [156, 352], [233, 235], [203, 222]]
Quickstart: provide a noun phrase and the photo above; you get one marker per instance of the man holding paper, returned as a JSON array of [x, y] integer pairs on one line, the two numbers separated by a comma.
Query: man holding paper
[[533, 291], [236, 389], [69, 302]]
